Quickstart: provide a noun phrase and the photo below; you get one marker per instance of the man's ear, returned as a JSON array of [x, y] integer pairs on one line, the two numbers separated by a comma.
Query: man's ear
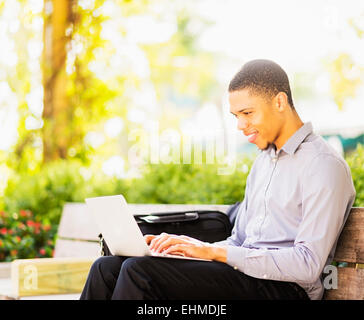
[[281, 102]]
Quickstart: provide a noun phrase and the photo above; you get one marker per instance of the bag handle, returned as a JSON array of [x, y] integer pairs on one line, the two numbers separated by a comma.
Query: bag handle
[[168, 218]]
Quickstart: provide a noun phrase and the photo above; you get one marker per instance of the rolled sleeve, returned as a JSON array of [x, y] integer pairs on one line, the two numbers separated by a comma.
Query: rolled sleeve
[[236, 257]]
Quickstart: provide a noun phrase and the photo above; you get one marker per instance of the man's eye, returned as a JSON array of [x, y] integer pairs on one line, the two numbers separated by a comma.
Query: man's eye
[[246, 113]]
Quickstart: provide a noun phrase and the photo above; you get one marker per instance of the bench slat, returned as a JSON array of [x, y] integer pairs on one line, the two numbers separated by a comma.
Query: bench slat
[[350, 285], [77, 223], [77, 249], [350, 247], [45, 276]]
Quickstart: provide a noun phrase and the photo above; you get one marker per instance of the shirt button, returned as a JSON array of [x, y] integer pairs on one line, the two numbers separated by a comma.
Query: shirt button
[[264, 276], [235, 268]]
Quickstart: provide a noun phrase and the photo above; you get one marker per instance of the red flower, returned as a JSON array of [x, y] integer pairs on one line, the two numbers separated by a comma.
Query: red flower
[[23, 213], [30, 223], [42, 251], [17, 239], [3, 231], [14, 252]]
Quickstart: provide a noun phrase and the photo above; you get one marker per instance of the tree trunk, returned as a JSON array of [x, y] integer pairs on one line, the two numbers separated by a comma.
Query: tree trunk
[[56, 113]]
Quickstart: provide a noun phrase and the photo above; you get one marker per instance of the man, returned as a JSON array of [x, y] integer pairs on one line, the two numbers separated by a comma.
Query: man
[[297, 198]]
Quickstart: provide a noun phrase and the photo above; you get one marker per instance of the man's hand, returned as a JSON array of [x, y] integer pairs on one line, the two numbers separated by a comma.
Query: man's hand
[[186, 246], [148, 238]]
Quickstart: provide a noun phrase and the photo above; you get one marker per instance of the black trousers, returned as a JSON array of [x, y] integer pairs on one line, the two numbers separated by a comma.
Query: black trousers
[[151, 278]]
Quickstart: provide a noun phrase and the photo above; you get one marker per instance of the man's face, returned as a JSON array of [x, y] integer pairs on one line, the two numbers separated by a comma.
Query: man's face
[[257, 117]]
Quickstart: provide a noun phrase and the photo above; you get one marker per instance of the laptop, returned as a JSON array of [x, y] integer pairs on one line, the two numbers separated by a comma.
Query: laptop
[[120, 230]]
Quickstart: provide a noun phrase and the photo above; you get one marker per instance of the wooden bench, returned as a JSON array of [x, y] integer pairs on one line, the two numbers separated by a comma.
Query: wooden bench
[[350, 250], [78, 238]]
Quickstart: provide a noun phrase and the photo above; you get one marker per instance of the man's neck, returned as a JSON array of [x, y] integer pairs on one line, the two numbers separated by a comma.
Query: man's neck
[[288, 130]]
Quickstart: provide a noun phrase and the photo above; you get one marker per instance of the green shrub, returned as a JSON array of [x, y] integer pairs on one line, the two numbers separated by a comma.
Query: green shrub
[[189, 183], [45, 192], [22, 236], [356, 163]]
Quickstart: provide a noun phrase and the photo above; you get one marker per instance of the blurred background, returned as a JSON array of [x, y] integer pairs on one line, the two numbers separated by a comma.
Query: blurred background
[[100, 97]]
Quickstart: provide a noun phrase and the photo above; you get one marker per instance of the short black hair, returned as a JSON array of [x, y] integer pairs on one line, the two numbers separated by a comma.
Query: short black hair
[[263, 77]]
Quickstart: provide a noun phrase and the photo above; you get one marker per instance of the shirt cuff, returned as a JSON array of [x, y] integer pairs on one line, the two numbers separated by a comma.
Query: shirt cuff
[[236, 257]]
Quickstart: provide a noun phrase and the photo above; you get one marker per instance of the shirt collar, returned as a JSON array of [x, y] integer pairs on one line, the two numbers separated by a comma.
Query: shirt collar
[[294, 141], [297, 138]]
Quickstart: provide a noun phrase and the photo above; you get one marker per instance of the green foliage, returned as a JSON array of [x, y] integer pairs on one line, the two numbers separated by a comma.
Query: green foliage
[[46, 191], [103, 78], [88, 95], [356, 163], [23, 236], [189, 183], [23, 78]]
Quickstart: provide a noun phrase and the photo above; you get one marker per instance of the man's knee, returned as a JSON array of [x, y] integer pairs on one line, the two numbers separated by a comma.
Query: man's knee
[[134, 267], [134, 263], [106, 265], [135, 279]]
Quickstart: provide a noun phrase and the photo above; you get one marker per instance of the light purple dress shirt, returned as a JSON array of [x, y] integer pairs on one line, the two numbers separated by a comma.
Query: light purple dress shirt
[[296, 203]]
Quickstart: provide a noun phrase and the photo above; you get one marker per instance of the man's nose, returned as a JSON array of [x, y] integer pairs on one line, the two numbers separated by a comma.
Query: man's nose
[[242, 123]]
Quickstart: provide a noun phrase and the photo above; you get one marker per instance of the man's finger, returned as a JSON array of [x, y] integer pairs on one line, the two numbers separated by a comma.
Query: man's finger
[[148, 238], [171, 240], [182, 249], [157, 240], [165, 244]]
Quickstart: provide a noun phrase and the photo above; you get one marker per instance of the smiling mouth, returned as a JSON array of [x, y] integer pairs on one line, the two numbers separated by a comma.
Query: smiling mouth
[[252, 137]]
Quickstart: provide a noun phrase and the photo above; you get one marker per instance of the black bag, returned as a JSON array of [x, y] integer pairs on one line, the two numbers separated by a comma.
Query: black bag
[[205, 225]]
